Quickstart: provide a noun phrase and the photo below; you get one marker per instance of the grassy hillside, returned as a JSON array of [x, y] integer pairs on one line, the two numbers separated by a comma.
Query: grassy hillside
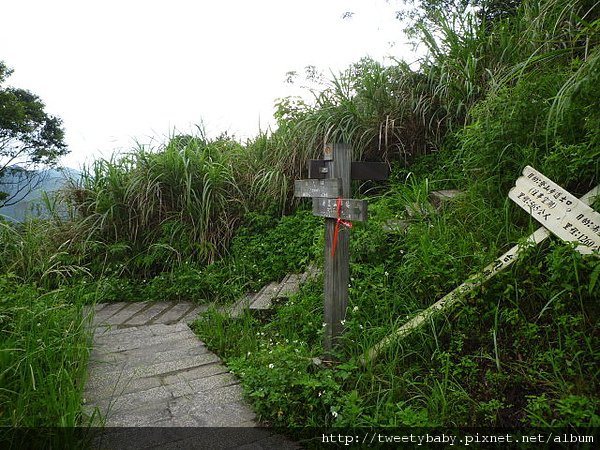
[[207, 220]]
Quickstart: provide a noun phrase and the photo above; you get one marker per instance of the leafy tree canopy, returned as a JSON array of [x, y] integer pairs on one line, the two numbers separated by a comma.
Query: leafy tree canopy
[[428, 11], [29, 137]]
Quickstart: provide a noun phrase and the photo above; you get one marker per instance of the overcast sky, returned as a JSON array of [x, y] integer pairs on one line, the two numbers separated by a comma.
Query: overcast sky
[[119, 70]]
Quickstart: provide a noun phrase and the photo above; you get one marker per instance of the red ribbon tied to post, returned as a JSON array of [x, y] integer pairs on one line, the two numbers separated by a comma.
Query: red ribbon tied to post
[[337, 225]]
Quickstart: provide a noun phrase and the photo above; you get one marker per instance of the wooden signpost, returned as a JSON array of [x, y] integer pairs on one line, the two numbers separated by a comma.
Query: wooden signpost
[[358, 170], [329, 187], [560, 212]]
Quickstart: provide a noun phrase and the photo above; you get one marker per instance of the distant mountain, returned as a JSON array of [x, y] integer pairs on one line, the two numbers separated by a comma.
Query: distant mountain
[[29, 188]]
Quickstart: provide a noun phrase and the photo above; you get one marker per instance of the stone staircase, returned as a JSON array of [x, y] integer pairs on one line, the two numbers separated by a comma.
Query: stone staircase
[[153, 384], [263, 300], [147, 368]]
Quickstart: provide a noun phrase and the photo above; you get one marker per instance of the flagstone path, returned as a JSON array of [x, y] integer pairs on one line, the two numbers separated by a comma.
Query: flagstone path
[[148, 369], [144, 367]]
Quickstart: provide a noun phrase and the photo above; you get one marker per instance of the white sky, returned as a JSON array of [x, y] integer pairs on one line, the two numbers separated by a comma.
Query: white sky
[[119, 70]]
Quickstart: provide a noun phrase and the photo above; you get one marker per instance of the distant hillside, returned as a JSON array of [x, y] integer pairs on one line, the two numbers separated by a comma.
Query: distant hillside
[[29, 190]]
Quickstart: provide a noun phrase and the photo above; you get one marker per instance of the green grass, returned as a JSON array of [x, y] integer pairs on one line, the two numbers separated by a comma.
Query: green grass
[[43, 354], [208, 220], [520, 351]]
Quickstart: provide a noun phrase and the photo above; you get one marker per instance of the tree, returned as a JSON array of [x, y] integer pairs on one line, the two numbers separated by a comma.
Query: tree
[[29, 139], [427, 12]]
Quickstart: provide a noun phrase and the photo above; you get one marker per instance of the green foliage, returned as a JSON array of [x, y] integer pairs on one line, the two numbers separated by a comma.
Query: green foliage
[[283, 381], [264, 250], [279, 368], [527, 333], [383, 112], [43, 352], [36, 252], [511, 129], [179, 201], [522, 349], [502, 87], [571, 411]]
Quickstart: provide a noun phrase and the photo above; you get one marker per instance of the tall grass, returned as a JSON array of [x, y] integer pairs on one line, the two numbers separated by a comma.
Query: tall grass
[[521, 350], [372, 107], [44, 347], [489, 98], [181, 202], [506, 357], [39, 252]]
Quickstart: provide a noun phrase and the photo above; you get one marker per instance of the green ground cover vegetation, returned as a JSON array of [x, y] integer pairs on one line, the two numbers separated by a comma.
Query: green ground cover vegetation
[[208, 220]]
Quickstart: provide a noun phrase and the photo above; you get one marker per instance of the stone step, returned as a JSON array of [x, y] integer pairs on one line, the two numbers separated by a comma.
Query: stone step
[[417, 210], [395, 226], [110, 386], [127, 313], [312, 271], [215, 387], [147, 315], [264, 299], [111, 360], [289, 286], [177, 313], [237, 309], [148, 369], [439, 198], [194, 313], [437, 201], [109, 310]]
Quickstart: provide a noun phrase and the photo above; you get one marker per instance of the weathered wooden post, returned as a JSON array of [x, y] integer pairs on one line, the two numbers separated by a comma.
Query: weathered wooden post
[[337, 245], [329, 188]]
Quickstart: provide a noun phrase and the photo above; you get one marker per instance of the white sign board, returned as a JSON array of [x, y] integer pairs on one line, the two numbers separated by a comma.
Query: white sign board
[[331, 187], [350, 209], [556, 209]]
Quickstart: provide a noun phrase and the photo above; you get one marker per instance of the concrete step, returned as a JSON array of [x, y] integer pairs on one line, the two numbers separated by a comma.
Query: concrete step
[[148, 369], [237, 309], [263, 299], [439, 198], [395, 226]]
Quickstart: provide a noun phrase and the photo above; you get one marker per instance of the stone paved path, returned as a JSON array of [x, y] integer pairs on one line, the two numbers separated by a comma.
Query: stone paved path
[[148, 369]]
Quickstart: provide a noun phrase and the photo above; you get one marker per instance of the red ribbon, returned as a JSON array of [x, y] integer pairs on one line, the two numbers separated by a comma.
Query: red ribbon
[[339, 221]]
